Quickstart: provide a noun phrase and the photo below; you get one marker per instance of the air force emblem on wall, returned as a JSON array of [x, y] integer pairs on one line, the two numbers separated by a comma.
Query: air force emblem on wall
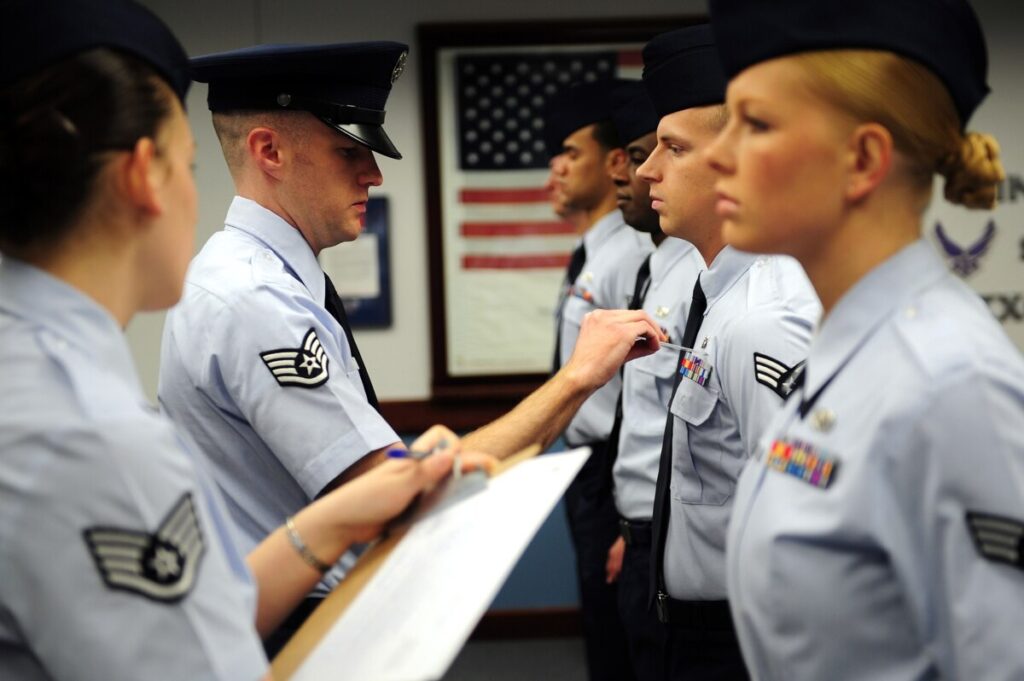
[[162, 565], [965, 261], [304, 367], [772, 373]]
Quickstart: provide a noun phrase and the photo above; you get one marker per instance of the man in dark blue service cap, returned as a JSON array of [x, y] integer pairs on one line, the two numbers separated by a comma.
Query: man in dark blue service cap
[[258, 362]]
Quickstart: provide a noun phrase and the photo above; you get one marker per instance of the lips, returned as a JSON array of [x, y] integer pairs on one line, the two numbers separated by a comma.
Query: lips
[[726, 206], [656, 203]]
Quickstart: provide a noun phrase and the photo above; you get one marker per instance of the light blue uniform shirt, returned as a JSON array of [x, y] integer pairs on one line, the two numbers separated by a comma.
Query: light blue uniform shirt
[[876, 575], [85, 461], [615, 252], [758, 307], [257, 288], [647, 382]]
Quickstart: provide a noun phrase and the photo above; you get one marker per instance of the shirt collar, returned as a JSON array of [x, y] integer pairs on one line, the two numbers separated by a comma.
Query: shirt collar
[[726, 269], [602, 230], [867, 304], [669, 252], [42, 299], [285, 240]]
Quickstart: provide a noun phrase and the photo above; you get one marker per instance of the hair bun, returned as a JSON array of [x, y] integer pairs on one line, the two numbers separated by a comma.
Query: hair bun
[[973, 172]]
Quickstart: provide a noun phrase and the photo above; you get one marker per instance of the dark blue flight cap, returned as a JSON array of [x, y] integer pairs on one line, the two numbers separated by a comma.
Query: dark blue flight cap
[[633, 112], [682, 71], [345, 85], [942, 35], [39, 33], [577, 107]]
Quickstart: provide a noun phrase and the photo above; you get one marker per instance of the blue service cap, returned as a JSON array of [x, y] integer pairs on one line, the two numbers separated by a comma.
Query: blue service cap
[[942, 35], [345, 85], [682, 71], [633, 112], [577, 107], [38, 33]]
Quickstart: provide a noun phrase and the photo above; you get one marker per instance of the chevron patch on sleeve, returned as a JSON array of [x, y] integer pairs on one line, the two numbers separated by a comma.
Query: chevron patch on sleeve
[[997, 538], [161, 565], [302, 367], [775, 375]]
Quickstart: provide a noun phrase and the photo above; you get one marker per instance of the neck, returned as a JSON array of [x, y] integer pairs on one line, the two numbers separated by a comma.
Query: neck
[[265, 195], [103, 269], [595, 213], [865, 239]]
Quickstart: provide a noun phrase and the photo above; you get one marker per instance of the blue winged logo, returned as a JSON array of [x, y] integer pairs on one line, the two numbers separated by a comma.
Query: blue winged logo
[[965, 261]]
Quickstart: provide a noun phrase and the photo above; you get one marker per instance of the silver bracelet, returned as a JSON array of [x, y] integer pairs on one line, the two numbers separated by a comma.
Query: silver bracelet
[[303, 550]]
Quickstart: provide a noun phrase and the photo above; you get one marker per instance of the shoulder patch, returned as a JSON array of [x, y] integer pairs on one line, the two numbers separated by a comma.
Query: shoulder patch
[[775, 375], [302, 367], [162, 565], [997, 538]]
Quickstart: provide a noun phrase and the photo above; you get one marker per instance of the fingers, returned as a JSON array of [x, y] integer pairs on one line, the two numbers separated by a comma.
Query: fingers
[[436, 436], [475, 461]]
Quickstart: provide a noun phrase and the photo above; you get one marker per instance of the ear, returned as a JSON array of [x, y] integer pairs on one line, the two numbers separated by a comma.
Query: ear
[[615, 162], [137, 177], [870, 160], [264, 147]]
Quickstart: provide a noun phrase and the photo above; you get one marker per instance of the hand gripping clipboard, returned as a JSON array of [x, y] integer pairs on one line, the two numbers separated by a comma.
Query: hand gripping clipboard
[[320, 622]]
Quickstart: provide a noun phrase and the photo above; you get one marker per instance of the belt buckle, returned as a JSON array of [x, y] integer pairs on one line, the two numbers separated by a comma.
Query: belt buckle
[[661, 602]]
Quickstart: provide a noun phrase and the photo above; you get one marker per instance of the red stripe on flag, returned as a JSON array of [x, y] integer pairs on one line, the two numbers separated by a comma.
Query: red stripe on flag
[[523, 195], [515, 228], [515, 262], [633, 58]]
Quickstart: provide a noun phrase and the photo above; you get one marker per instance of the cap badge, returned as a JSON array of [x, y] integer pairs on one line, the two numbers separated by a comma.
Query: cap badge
[[284, 99], [399, 67]]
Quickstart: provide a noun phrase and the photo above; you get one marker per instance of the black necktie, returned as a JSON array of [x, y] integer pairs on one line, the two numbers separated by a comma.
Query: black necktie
[[698, 306], [576, 262], [643, 282], [334, 305]]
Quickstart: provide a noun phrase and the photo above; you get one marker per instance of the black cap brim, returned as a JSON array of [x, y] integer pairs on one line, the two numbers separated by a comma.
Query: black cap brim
[[372, 136]]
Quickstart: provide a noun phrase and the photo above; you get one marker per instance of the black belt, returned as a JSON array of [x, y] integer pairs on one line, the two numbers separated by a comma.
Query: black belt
[[708, 615], [635, 532]]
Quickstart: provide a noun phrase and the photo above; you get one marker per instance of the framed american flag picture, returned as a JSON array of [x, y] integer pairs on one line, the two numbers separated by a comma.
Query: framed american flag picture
[[497, 251]]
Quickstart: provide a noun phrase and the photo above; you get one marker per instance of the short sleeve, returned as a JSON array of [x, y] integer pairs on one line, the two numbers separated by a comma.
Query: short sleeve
[[764, 345], [284, 363], [952, 512], [112, 569]]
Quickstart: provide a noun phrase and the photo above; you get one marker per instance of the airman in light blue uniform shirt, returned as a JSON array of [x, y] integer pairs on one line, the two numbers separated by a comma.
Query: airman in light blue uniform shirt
[[256, 288], [758, 323], [90, 473], [647, 382], [615, 252], [896, 503]]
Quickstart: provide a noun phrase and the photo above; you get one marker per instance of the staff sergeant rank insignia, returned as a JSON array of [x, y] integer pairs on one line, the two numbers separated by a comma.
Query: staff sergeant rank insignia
[[161, 566], [304, 367]]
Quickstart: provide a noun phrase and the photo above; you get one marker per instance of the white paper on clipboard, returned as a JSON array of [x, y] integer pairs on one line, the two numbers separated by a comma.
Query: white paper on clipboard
[[413, 617]]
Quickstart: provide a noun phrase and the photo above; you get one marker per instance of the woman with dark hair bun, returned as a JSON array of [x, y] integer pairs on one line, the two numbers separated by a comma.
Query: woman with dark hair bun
[[878, 534], [117, 553]]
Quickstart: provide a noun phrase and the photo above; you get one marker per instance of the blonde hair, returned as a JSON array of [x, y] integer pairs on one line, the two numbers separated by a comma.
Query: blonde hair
[[917, 110], [233, 127]]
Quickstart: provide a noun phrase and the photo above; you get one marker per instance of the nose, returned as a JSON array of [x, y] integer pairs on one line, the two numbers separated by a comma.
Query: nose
[[720, 154], [649, 170], [371, 175]]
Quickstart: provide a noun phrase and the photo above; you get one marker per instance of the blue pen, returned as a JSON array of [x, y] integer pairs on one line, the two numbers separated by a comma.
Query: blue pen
[[417, 454]]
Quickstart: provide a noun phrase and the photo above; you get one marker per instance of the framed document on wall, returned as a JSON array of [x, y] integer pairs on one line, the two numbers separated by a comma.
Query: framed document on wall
[[361, 270], [497, 251]]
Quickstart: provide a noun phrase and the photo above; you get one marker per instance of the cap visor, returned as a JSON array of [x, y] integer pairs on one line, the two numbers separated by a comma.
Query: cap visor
[[372, 136]]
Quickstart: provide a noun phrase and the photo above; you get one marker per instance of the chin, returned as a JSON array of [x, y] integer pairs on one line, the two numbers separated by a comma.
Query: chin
[[746, 238]]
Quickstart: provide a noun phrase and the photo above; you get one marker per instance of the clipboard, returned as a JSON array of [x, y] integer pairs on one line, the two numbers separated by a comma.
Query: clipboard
[[315, 632]]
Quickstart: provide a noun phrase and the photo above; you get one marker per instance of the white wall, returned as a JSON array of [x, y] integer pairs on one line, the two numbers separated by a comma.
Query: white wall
[[400, 357]]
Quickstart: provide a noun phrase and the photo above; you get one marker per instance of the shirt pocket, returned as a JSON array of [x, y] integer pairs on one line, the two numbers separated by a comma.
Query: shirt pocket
[[697, 473], [659, 370]]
